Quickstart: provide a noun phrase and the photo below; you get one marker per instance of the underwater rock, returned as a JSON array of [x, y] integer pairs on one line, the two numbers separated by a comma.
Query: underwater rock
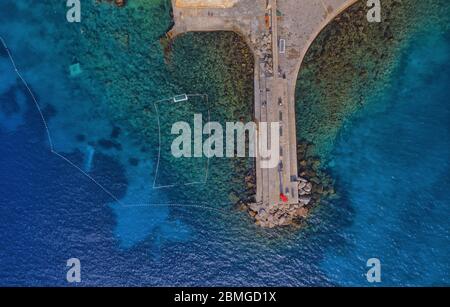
[[134, 161], [118, 3], [81, 137], [49, 111], [108, 144], [115, 132], [302, 212], [75, 70]]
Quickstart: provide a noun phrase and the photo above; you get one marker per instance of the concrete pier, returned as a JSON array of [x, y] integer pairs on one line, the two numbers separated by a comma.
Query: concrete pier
[[267, 25]]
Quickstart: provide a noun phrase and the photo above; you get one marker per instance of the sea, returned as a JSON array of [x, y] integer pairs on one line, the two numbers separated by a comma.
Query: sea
[[75, 181]]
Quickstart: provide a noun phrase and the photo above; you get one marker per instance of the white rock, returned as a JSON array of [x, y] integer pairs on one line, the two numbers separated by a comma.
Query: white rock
[[301, 184], [304, 200], [308, 187]]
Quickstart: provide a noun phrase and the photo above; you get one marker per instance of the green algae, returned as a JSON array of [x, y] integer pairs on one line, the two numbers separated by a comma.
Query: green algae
[[120, 52], [208, 63], [350, 63]]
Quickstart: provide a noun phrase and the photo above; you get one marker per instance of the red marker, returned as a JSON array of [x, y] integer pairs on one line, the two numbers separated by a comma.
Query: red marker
[[283, 198]]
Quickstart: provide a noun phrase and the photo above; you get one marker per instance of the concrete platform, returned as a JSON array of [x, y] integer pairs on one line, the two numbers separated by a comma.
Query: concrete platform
[[262, 23]]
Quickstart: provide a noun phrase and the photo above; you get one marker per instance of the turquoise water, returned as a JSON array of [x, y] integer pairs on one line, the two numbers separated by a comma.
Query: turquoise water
[[390, 164]]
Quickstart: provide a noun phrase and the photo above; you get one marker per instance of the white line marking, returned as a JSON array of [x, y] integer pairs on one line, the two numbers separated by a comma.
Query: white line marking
[[171, 100], [195, 204]]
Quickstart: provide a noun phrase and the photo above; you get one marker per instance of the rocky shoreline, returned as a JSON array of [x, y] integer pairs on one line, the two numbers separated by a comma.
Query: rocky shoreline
[[313, 185]]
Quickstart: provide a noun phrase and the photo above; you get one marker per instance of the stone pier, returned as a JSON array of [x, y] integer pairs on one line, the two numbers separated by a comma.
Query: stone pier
[[279, 32]]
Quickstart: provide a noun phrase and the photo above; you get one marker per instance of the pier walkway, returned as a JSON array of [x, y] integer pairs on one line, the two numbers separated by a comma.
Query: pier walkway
[[267, 25]]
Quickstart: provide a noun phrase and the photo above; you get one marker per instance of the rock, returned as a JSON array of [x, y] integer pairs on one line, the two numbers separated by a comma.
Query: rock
[[250, 178], [301, 184], [304, 200], [308, 187], [301, 212], [319, 189], [242, 206], [119, 3], [315, 180], [234, 198], [253, 207]]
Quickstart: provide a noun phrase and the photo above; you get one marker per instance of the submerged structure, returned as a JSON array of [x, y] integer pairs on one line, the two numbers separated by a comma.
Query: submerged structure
[[279, 33]]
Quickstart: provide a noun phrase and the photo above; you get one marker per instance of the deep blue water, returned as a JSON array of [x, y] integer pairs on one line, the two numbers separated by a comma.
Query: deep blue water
[[391, 167]]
